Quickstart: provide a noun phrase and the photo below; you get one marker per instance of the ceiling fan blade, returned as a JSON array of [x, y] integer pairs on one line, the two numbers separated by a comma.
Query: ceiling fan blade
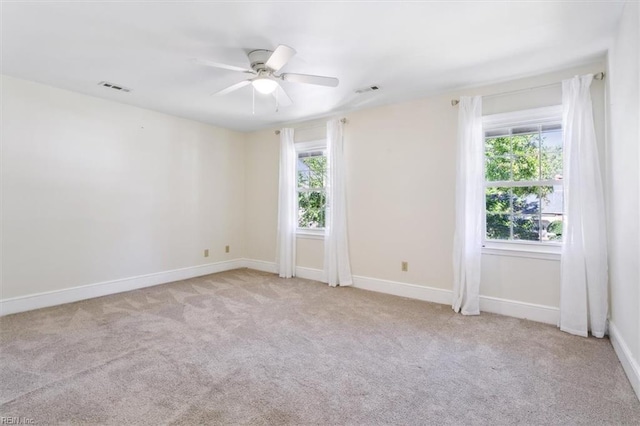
[[232, 88], [282, 97], [213, 64], [311, 79], [279, 57]]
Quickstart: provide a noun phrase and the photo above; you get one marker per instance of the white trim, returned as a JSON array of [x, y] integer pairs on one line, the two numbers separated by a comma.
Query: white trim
[[310, 234], [511, 308], [540, 251], [89, 291], [514, 308], [522, 118], [309, 273], [260, 265], [411, 291], [629, 364]]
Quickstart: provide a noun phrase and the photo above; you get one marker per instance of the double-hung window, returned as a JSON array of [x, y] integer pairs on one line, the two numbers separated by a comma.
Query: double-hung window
[[523, 178], [311, 172]]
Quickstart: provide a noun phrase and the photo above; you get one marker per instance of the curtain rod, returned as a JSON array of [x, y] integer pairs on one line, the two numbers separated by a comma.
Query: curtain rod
[[343, 120], [598, 76]]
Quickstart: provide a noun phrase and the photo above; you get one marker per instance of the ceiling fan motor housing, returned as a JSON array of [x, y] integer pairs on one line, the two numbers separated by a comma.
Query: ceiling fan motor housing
[[258, 58]]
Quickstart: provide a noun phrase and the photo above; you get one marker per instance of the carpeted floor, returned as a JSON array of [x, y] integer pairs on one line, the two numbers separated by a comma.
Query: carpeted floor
[[245, 347]]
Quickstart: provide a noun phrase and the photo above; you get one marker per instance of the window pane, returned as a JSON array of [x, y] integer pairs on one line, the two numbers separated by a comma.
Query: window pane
[[498, 146], [303, 178], [498, 168], [317, 177], [317, 199], [552, 208], [552, 228], [552, 199], [526, 163], [526, 167], [526, 228], [311, 209], [312, 171], [498, 200], [526, 200], [303, 206], [498, 226], [318, 163], [551, 154]]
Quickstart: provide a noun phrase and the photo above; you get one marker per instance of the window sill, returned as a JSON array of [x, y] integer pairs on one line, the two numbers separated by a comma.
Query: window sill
[[532, 251], [310, 234]]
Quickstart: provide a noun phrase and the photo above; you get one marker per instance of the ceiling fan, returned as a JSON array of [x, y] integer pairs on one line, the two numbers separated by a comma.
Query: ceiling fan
[[264, 65]]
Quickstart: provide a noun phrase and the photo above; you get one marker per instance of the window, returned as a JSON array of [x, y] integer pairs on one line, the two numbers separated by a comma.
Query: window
[[523, 177], [311, 171]]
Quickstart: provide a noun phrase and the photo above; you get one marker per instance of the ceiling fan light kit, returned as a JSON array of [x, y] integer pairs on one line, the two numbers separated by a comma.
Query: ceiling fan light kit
[[264, 85], [264, 66]]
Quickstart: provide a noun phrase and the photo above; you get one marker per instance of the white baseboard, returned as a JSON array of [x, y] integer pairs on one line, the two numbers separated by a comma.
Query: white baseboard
[[511, 308], [74, 294], [309, 273], [517, 309], [260, 265], [301, 271], [412, 291], [629, 364]]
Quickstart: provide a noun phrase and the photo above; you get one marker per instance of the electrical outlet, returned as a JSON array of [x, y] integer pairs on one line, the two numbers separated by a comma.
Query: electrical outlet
[[206, 253], [226, 249], [405, 266]]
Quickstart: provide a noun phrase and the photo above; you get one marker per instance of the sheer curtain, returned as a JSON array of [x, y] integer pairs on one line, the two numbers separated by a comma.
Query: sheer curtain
[[287, 216], [583, 288], [467, 240], [336, 248]]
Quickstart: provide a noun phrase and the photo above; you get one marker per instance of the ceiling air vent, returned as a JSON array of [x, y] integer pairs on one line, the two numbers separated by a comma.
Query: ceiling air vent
[[113, 86], [367, 89]]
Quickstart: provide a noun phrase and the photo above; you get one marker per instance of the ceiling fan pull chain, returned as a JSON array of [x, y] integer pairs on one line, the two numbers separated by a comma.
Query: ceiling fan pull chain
[[277, 103], [253, 100]]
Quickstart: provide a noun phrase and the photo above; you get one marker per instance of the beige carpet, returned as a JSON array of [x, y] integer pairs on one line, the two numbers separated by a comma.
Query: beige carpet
[[245, 347]]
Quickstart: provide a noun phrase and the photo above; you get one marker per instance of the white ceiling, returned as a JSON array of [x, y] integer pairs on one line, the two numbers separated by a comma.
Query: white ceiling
[[408, 49]]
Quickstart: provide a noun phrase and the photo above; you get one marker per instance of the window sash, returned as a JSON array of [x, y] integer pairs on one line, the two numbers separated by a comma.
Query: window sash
[[309, 150], [536, 121]]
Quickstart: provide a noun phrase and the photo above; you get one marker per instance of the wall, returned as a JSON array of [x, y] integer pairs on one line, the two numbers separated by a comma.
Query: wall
[[623, 191], [94, 191], [400, 193]]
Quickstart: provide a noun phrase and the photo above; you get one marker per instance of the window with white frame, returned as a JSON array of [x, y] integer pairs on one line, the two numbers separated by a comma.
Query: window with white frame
[[523, 176], [311, 172]]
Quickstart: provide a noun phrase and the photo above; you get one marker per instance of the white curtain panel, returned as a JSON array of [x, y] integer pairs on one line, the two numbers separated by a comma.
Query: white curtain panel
[[287, 204], [337, 270], [467, 240], [583, 289]]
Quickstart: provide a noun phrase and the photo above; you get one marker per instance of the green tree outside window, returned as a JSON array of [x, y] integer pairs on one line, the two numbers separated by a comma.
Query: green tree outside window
[[517, 212]]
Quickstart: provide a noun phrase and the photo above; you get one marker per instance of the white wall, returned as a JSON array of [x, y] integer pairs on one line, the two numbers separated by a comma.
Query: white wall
[[624, 188], [400, 193], [94, 190]]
